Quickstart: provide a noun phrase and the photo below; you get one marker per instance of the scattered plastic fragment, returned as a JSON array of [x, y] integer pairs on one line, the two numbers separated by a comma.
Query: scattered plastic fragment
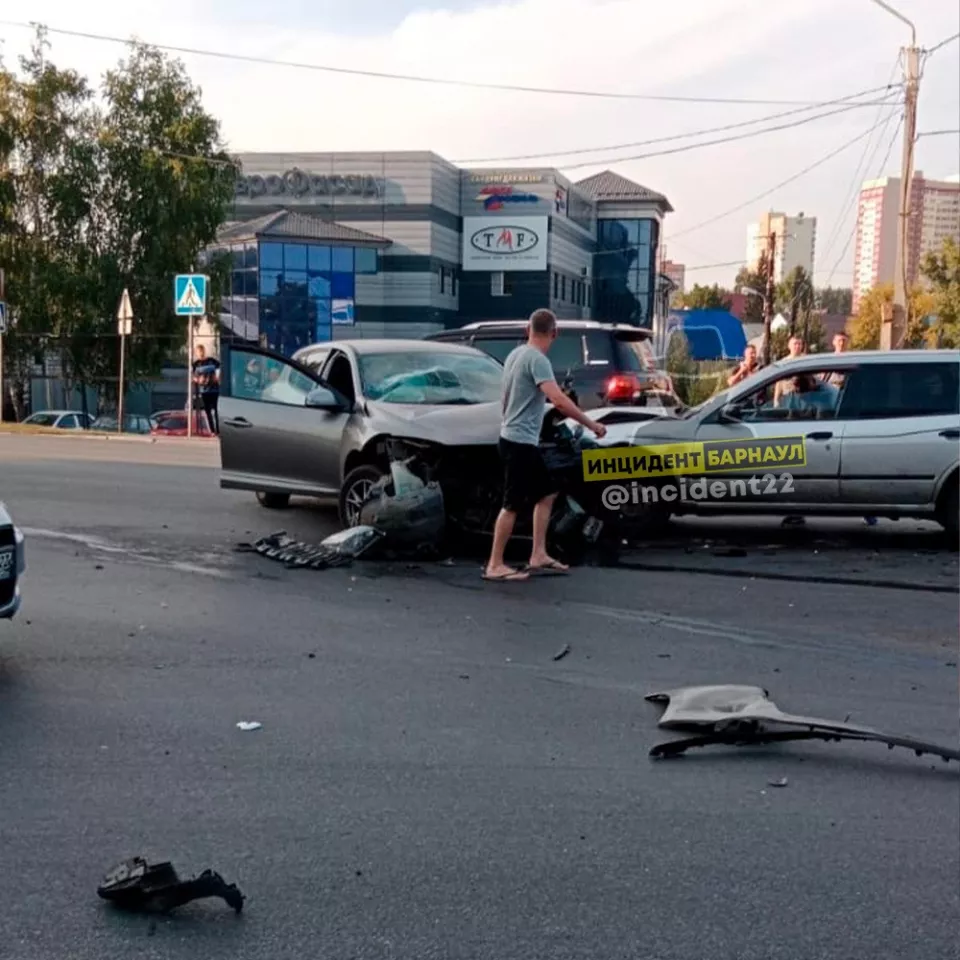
[[337, 550], [782, 782], [562, 652], [744, 716], [138, 885], [247, 725]]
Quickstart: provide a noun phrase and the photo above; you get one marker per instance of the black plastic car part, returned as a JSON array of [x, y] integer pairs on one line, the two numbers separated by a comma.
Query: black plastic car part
[[156, 887]]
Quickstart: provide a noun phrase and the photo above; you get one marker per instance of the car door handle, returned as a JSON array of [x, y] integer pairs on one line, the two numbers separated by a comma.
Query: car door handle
[[822, 435], [950, 434], [240, 422]]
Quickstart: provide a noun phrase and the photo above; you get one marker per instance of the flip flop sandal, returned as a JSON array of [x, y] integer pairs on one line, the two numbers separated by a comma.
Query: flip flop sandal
[[511, 577], [552, 569]]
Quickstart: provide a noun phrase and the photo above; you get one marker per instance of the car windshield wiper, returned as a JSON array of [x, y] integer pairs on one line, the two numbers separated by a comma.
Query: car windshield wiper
[[458, 402]]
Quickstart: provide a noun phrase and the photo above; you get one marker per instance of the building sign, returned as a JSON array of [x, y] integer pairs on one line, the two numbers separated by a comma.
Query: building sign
[[299, 184], [495, 243], [496, 198], [341, 313], [493, 177]]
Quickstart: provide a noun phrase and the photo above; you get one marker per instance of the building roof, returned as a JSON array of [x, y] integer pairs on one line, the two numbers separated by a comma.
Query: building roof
[[611, 186], [285, 224]]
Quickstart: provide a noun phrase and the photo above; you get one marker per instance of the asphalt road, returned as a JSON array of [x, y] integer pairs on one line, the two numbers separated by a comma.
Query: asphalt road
[[428, 781]]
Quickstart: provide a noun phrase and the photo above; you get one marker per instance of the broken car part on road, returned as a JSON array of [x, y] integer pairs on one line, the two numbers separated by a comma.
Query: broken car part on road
[[337, 550], [407, 509], [156, 887], [745, 716]]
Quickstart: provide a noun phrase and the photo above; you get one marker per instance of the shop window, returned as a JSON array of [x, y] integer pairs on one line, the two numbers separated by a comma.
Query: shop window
[[556, 286], [319, 286], [342, 260], [294, 257], [443, 280], [453, 281], [563, 288], [269, 282], [321, 309], [318, 260], [271, 256], [501, 284]]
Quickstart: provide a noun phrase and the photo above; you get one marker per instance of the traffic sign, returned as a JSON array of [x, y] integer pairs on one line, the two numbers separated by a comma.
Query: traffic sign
[[3, 317], [125, 315], [190, 294]]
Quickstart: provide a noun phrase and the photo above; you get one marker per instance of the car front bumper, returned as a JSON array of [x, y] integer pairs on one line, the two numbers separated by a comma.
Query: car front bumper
[[10, 598]]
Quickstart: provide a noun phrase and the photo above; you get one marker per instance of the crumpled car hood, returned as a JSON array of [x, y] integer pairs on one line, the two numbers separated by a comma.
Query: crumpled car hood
[[476, 424], [741, 715]]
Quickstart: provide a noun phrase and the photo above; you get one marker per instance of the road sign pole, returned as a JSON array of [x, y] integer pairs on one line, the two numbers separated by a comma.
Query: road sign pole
[[123, 344], [190, 376]]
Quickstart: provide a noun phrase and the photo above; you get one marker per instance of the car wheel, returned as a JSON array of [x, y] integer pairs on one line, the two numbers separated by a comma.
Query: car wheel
[[355, 490], [274, 501]]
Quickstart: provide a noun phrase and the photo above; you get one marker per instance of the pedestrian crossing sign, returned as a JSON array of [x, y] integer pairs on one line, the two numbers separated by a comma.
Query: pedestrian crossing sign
[[190, 294]]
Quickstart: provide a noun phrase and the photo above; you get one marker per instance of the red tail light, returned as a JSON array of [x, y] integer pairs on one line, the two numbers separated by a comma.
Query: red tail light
[[622, 387]]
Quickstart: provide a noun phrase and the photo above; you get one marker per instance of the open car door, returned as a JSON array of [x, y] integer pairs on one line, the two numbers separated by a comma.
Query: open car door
[[280, 425]]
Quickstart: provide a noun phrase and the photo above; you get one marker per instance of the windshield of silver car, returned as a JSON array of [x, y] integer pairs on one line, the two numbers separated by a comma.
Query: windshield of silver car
[[427, 378]]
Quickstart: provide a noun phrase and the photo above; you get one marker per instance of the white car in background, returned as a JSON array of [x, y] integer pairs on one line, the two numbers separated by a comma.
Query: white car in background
[[60, 419]]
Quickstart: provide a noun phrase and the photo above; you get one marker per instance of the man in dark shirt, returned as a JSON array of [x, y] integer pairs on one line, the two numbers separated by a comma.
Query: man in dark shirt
[[206, 380]]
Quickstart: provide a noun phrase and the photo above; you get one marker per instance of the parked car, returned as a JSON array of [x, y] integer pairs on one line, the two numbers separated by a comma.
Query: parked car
[[132, 423], [173, 423], [60, 419], [608, 364], [885, 443], [13, 564]]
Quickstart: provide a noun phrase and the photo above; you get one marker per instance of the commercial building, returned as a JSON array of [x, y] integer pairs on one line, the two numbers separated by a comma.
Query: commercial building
[[796, 241], [934, 216], [325, 246]]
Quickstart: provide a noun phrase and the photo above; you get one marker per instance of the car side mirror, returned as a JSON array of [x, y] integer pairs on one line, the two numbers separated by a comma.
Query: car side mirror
[[322, 398]]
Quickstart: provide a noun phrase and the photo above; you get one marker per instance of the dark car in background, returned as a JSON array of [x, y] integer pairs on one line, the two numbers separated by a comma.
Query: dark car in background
[[132, 423], [606, 364]]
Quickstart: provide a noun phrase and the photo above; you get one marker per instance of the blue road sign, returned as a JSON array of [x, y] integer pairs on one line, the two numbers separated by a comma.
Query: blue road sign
[[190, 294], [3, 317]]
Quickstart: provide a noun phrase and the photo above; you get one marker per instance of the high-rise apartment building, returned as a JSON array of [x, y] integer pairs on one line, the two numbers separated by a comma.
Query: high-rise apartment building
[[677, 272], [796, 243], [934, 216]]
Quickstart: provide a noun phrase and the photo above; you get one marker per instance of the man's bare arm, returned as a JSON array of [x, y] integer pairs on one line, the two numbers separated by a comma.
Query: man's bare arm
[[565, 405]]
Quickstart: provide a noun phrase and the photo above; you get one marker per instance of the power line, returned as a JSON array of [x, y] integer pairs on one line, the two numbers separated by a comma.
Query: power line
[[866, 158], [706, 143], [782, 183], [682, 136], [942, 43], [850, 236], [408, 78], [937, 133]]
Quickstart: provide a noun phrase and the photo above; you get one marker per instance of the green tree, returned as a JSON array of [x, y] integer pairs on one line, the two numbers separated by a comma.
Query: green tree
[[706, 298], [123, 194], [835, 300], [865, 327], [794, 298], [941, 270], [693, 381]]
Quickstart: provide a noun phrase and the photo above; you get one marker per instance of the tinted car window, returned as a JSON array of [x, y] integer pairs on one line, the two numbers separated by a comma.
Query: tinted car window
[[878, 391], [498, 347], [601, 349], [635, 356], [567, 351]]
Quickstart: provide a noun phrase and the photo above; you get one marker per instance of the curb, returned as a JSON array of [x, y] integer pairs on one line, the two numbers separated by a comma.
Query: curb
[[91, 437]]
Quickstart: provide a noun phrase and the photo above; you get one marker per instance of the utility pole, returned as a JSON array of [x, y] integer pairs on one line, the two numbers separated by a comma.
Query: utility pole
[[894, 330], [768, 296]]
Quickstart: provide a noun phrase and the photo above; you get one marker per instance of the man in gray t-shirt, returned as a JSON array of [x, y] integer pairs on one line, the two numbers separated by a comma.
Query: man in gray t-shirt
[[528, 383]]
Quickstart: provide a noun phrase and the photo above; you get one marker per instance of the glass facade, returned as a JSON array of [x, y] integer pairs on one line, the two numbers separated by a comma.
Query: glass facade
[[625, 271], [291, 294]]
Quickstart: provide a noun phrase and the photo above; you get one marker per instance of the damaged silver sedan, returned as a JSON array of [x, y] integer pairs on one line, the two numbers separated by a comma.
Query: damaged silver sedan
[[403, 432]]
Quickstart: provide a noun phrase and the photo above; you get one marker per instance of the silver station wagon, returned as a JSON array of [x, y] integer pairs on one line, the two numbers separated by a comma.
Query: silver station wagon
[[881, 432]]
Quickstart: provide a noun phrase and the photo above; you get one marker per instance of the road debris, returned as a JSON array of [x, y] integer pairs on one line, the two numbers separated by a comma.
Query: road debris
[[562, 652], [407, 510], [138, 885], [745, 716], [247, 725], [337, 550], [782, 782]]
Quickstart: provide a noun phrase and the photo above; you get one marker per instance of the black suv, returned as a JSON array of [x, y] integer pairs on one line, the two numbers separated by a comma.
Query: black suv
[[606, 364]]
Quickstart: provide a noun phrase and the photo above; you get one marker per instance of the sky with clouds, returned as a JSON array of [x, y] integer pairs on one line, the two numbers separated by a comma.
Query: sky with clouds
[[805, 50]]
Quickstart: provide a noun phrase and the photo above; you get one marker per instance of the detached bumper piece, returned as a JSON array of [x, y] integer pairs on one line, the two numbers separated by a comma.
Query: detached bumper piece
[[338, 550], [746, 716], [156, 888]]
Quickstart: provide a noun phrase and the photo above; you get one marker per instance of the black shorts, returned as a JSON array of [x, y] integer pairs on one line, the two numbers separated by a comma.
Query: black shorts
[[526, 480]]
